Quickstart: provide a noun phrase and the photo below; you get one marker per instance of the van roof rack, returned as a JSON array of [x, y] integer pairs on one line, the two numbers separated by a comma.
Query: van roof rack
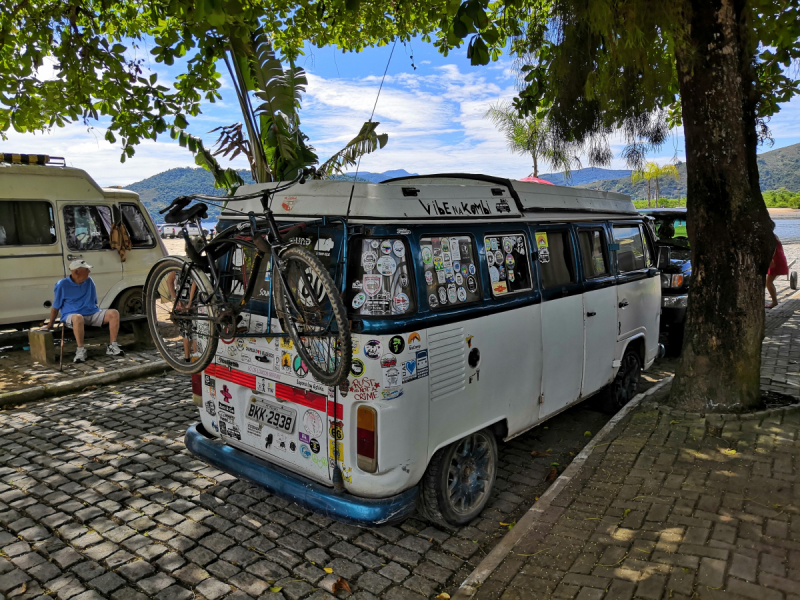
[[32, 159]]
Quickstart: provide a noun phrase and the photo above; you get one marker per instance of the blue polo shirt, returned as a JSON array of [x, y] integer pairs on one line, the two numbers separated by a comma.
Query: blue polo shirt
[[74, 299]]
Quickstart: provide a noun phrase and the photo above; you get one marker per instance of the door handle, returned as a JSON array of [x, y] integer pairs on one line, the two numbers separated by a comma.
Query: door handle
[[74, 256], [590, 314], [623, 304]]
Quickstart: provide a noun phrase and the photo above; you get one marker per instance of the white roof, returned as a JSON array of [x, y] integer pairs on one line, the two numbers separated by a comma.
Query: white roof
[[433, 197], [47, 182]]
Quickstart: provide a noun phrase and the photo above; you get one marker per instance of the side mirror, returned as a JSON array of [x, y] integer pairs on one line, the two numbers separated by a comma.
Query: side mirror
[[664, 256]]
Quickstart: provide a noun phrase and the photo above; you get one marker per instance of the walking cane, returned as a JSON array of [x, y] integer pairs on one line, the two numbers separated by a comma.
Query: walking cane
[[61, 355]]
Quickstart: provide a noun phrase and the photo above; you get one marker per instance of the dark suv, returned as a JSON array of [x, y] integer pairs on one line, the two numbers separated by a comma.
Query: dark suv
[[675, 263]]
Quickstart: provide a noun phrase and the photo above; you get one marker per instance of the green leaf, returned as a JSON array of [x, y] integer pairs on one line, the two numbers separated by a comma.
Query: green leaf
[[480, 53]]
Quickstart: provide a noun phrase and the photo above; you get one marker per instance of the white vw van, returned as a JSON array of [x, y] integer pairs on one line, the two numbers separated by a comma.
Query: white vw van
[[480, 307], [51, 215]]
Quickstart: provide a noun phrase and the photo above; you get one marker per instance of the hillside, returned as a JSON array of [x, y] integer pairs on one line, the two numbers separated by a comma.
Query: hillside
[[583, 176], [159, 190], [777, 168]]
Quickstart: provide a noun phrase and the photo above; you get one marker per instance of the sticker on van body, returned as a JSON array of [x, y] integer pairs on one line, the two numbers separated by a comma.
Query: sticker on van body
[[372, 349], [414, 341], [422, 364], [312, 423]]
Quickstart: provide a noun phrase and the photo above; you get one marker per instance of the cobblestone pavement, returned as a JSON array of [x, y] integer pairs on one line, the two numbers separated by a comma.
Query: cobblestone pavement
[[99, 498], [19, 371]]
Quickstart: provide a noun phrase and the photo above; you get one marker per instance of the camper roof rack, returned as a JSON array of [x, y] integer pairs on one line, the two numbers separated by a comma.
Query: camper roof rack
[[33, 159]]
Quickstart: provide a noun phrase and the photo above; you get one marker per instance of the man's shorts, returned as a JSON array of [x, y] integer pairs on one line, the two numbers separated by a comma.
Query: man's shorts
[[95, 320]]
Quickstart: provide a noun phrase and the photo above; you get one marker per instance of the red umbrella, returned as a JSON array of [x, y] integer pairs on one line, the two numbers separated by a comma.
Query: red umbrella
[[536, 180]]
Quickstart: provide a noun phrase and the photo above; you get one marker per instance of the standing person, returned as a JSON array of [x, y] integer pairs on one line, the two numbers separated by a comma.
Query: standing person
[[76, 298], [777, 267]]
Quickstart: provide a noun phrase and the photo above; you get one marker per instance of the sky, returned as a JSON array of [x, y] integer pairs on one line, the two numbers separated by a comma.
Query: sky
[[434, 116]]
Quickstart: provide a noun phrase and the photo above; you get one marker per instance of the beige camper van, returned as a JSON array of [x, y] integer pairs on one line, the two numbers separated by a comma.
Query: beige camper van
[[50, 215]]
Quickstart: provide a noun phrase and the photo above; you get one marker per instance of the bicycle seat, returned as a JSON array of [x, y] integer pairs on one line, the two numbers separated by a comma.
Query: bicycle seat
[[181, 216]]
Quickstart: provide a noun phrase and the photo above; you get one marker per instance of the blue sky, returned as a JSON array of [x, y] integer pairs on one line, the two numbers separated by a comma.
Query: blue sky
[[434, 116]]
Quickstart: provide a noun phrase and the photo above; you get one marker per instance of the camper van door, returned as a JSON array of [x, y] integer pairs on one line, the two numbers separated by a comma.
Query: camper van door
[[86, 229]]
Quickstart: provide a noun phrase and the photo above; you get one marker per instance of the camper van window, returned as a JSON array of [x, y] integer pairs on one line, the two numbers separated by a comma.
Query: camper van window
[[631, 254], [451, 272], [507, 260], [555, 258], [383, 286], [26, 223], [87, 227], [593, 253], [137, 227]]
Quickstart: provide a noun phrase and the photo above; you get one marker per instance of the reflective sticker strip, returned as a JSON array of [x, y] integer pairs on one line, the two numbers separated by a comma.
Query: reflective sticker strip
[[237, 377], [339, 410], [300, 396]]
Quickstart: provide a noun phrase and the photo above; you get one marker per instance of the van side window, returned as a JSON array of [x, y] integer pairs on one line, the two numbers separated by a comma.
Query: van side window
[[451, 273], [631, 255], [87, 227], [507, 259], [27, 223], [137, 227], [593, 253], [555, 258], [382, 285]]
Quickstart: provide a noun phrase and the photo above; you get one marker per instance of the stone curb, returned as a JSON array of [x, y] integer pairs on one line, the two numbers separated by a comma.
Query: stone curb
[[63, 388], [753, 416], [498, 554]]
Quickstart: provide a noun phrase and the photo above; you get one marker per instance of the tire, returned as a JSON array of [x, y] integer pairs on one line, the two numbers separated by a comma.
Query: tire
[[466, 470], [793, 280], [130, 302], [327, 358], [175, 337], [625, 384]]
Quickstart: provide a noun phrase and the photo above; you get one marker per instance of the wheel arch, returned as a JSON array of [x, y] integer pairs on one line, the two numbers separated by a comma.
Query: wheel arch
[[636, 343]]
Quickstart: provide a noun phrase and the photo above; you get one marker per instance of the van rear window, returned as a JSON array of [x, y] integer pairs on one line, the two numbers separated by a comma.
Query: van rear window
[[26, 223], [451, 273], [382, 286]]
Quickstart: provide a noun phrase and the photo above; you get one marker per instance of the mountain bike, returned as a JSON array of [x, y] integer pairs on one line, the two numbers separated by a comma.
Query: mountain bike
[[193, 302]]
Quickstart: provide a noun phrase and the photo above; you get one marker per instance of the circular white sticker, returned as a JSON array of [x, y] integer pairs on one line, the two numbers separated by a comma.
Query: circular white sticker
[[312, 423], [445, 245], [472, 284], [401, 303], [432, 301], [490, 258], [452, 294], [510, 261], [399, 249], [359, 300], [374, 244], [386, 265], [386, 247], [508, 244], [472, 269], [494, 274], [368, 260], [498, 257], [442, 295], [427, 255], [459, 279], [462, 294]]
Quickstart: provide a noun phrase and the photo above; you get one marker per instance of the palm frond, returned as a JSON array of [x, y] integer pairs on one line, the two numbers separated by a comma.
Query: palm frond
[[227, 178], [365, 142]]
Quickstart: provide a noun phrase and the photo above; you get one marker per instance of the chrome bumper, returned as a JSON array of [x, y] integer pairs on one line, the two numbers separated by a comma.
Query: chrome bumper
[[674, 301]]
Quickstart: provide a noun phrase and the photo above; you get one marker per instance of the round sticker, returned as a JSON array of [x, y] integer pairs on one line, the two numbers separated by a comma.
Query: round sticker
[[494, 275], [314, 446], [427, 255], [399, 249], [459, 279], [494, 243], [501, 272], [443, 295], [448, 271], [508, 244], [462, 294], [374, 244], [401, 303], [490, 258], [452, 294], [438, 263], [372, 284], [509, 261], [472, 284], [300, 367], [304, 451], [357, 368], [359, 300], [312, 423], [386, 247], [397, 344], [429, 277], [368, 260], [432, 301], [464, 270], [445, 245], [456, 266], [472, 269], [498, 258], [372, 349], [386, 265]]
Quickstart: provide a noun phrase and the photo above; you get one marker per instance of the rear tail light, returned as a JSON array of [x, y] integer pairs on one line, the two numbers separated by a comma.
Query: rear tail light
[[197, 389], [367, 439]]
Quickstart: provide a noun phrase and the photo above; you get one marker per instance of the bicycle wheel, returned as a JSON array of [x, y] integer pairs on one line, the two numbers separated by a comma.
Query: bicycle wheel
[[181, 324], [320, 312]]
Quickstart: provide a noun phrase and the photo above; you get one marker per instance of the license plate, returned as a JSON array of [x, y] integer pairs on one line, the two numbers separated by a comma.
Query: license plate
[[272, 415]]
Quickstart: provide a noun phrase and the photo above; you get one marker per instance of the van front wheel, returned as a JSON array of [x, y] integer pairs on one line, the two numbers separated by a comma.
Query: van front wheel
[[459, 479]]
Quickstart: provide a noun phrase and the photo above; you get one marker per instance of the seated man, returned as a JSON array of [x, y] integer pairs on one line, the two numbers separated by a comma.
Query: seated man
[[76, 298]]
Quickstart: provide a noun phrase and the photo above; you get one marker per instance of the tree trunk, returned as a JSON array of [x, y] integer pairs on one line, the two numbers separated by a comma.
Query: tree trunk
[[728, 224], [535, 165], [648, 193]]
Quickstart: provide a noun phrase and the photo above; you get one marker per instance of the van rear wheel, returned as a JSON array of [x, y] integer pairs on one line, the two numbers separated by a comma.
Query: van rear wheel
[[623, 388], [459, 479]]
